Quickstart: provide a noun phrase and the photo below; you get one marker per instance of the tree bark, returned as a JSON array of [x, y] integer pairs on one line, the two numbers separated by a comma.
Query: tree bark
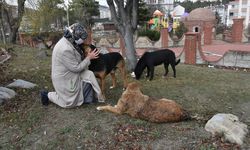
[[14, 23], [2, 25], [130, 49]]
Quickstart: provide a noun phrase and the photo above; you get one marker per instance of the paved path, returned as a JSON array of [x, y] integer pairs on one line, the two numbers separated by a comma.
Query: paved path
[[216, 50], [212, 52]]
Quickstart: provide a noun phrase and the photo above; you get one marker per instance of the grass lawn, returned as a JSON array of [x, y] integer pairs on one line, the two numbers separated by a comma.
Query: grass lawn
[[203, 91]]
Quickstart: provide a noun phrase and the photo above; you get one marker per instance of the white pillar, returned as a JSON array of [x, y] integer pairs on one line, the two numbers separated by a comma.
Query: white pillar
[[228, 15], [240, 9], [247, 15]]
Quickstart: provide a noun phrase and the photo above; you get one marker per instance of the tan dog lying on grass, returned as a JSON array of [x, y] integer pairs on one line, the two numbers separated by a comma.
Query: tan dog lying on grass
[[141, 106]]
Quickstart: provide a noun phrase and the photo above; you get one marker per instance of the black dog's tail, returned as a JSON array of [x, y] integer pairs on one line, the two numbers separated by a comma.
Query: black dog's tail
[[177, 62]]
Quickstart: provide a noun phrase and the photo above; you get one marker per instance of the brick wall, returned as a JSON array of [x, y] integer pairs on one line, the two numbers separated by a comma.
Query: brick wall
[[164, 37], [237, 30], [190, 48], [208, 33]]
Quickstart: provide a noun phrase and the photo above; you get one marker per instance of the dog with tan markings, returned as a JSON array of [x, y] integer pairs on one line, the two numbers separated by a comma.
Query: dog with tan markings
[[107, 64], [134, 103]]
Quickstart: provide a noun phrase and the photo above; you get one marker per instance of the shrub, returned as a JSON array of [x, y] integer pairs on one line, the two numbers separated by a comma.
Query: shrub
[[220, 29], [179, 31], [151, 34]]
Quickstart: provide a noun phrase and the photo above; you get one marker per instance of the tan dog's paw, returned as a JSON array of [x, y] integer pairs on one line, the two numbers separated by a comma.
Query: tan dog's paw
[[133, 74], [101, 101], [99, 108]]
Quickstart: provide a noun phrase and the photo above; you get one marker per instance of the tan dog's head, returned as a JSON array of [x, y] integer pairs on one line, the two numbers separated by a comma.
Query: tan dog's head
[[87, 48], [133, 87]]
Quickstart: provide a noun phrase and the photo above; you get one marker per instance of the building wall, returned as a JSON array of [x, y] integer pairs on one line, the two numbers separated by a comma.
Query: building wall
[[221, 10], [168, 5], [104, 12], [197, 0], [239, 9]]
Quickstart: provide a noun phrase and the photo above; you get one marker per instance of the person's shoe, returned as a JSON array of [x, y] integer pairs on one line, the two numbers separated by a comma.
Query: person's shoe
[[101, 101], [44, 98], [88, 103]]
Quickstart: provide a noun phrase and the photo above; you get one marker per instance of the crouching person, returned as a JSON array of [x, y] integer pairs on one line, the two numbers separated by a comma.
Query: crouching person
[[74, 84]]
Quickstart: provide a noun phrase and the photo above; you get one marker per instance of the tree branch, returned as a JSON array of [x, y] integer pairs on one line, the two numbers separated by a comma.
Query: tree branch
[[121, 10], [115, 17], [134, 14], [128, 8]]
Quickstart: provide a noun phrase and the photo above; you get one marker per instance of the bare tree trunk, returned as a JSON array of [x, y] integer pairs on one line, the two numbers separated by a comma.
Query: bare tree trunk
[[125, 15], [130, 49], [2, 26], [2, 32], [13, 23], [13, 34], [16, 25], [1, 23]]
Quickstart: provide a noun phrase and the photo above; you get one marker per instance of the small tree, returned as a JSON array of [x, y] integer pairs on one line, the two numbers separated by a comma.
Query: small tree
[[48, 12], [180, 30], [143, 13], [83, 11], [12, 21]]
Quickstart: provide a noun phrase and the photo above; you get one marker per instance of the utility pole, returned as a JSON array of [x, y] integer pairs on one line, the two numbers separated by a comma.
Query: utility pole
[[1, 22], [66, 3], [68, 15]]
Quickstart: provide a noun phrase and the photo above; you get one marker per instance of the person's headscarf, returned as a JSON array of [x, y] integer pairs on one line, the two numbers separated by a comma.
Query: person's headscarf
[[74, 33]]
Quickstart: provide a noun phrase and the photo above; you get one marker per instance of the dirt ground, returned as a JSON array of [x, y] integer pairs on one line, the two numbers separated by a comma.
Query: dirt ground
[[203, 91]]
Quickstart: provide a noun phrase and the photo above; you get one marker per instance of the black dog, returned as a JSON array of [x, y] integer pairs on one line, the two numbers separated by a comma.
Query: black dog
[[151, 59], [107, 64]]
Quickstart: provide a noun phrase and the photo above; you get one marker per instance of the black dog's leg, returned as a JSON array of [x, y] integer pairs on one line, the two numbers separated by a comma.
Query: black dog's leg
[[166, 68], [148, 71], [173, 67], [151, 68]]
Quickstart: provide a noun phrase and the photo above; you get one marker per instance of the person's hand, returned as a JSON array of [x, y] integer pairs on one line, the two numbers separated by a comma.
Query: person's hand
[[93, 54]]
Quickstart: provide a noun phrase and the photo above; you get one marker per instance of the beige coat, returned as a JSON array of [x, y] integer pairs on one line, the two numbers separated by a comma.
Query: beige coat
[[68, 74]]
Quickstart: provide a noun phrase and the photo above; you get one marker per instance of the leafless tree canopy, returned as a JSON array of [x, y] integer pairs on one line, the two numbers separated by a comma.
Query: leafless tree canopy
[[125, 15]]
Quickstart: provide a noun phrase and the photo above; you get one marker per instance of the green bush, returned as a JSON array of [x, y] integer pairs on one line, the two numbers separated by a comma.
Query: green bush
[[220, 29], [179, 31], [153, 35], [54, 36]]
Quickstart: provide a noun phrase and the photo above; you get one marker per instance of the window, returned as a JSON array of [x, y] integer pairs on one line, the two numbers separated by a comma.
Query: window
[[161, 1], [152, 1], [231, 14], [196, 29]]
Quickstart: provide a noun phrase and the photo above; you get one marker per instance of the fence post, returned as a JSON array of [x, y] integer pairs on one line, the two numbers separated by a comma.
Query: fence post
[[237, 29], [164, 37], [190, 47]]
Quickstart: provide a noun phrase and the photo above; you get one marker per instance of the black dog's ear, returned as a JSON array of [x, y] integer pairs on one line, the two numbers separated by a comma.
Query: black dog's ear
[[92, 46]]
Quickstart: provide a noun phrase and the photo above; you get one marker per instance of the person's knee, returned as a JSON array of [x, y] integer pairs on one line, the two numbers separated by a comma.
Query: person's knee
[[87, 73], [91, 73]]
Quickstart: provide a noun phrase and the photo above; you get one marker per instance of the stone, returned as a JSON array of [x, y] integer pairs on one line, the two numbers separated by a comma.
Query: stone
[[42, 54], [41, 46], [22, 84], [228, 126], [6, 93]]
